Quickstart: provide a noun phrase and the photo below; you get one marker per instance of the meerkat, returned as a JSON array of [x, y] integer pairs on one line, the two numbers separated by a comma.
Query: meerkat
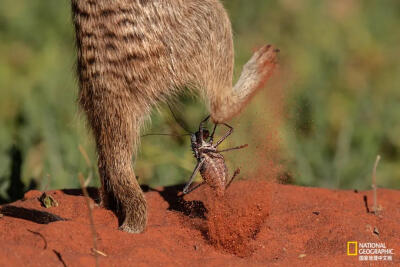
[[135, 54]]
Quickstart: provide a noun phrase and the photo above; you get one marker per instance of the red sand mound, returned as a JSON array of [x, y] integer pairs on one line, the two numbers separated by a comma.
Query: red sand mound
[[256, 224]]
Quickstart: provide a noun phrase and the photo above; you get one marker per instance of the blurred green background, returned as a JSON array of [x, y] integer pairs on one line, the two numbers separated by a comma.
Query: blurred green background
[[322, 121]]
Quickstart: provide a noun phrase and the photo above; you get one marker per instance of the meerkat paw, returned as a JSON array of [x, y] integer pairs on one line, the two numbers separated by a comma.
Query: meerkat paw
[[262, 64], [135, 217], [133, 229], [267, 60], [256, 72]]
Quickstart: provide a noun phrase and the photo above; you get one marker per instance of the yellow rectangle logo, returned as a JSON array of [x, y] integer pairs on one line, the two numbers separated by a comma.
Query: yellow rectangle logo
[[352, 248]]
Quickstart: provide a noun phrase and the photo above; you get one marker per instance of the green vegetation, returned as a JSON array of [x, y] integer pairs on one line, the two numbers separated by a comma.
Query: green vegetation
[[340, 65]]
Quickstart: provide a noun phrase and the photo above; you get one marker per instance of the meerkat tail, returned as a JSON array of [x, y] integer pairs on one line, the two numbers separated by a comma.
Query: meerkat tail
[[255, 74]]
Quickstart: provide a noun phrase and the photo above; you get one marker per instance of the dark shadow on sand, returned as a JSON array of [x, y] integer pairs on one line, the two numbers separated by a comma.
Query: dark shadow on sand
[[36, 216], [92, 191], [170, 194]]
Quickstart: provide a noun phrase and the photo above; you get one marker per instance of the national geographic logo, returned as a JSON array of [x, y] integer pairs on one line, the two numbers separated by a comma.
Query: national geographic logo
[[352, 248], [370, 251]]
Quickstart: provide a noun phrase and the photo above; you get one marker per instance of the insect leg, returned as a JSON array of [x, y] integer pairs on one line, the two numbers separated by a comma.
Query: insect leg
[[212, 134], [228, 133], [194, 188], [233, 177], [198, 166], [201, 126], [233, 148]]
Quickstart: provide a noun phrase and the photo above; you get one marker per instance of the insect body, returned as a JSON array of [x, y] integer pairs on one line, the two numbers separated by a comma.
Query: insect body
[[210, 161]]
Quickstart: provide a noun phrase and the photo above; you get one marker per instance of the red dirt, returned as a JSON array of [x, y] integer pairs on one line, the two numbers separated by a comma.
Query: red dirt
[[256, 224]]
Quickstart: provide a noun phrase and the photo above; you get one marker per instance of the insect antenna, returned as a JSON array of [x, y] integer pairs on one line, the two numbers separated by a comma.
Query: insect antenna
[[163, 134], [181, 123]]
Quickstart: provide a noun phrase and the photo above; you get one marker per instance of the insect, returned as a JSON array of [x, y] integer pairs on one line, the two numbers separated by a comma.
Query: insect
[[210, 162]]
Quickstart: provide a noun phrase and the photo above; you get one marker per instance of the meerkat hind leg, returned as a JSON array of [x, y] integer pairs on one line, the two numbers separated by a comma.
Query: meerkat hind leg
[[115, 132]]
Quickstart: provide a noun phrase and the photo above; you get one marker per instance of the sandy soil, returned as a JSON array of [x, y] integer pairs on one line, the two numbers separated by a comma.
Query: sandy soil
[[255, 224]]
